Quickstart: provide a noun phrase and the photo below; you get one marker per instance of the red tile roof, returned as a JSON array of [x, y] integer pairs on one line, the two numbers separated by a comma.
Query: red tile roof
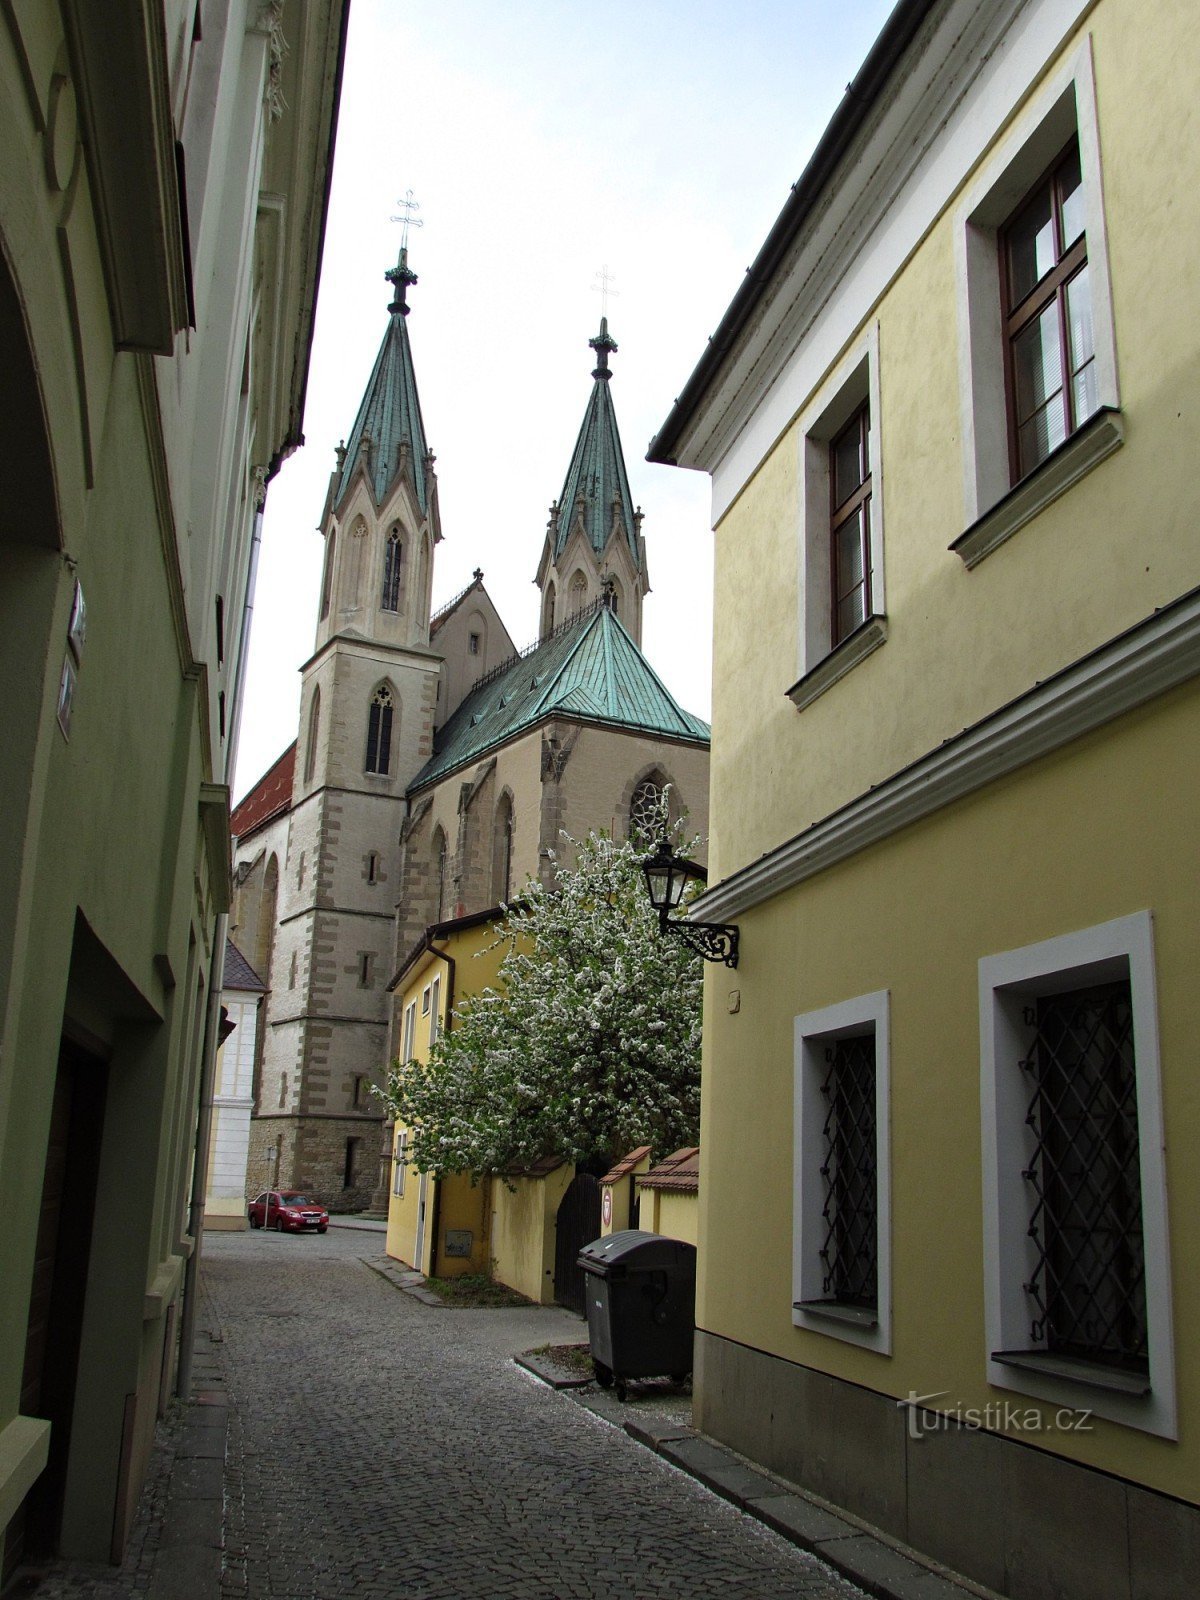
[[271, 795], [680, 1171], [626, 1165]]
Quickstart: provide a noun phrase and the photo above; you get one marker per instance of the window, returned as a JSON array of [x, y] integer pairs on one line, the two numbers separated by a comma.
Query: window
[[850, 526], [1038, 378], [473, 644], [1049, 342], [1078, 1290], [300, 871], [393, 568], [379, 732], [220, 604], [314, 729], [327, 577], [359, 1089], [401, 1168], [577, 594], [435, 1021], [372, 866], [409, 1031], [841, 525], [365, 962], [548, 611], [440, 869], [425, 1001], [502, 847], [292, 972], [841, 1278], [348, 1174], [646, 810]]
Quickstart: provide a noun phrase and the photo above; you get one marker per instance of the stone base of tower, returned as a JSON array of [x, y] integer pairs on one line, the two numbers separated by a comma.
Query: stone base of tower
[[333, 1160]]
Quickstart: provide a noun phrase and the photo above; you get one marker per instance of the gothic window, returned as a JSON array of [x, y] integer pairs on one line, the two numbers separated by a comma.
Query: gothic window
[[502, 845], [393, 571], [578, 593], [314, 728], [379, 732], [548, 611], [327, 579], [358, 544], [645, 809], [616, 597], [439, 867]]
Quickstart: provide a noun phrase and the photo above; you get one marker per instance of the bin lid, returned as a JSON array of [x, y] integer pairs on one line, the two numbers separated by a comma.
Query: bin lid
[[634, 1248]]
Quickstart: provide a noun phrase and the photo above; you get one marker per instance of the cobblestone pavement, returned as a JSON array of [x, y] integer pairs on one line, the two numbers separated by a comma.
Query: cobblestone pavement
[[382, 1448]]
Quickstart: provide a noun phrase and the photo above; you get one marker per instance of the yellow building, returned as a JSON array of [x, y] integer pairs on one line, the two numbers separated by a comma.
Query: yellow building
[[441, 1226], [950, 418]]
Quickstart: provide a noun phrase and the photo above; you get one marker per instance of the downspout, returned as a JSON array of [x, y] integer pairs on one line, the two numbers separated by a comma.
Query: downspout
[[436, 1218], [213, 1035]]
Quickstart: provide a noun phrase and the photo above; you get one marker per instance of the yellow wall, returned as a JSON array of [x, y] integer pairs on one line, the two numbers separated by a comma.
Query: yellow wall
[[523, 1220], [453, 1202], [960, 643], [672, 1213], [1047, 852]]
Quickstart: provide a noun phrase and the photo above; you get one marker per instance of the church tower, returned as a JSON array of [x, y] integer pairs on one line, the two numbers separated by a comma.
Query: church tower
[[366, 726], [594, 547]]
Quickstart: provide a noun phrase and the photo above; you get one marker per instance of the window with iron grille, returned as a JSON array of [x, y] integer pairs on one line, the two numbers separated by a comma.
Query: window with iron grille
[[849, 1254], [1087, 1290], [841, 1231], [1076, 1247]]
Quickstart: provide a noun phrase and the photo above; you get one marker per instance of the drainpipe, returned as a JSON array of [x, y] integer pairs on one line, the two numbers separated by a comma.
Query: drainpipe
[[214, 1029]]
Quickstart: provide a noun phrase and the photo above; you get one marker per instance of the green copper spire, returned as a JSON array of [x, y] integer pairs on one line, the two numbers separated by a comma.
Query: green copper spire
[[597, 484], [388, 430]]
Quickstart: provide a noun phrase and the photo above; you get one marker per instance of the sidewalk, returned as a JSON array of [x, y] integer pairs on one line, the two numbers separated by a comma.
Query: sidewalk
[[878, 1564]]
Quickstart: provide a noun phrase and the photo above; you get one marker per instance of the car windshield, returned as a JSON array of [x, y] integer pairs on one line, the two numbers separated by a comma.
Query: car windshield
[[295, 1200]]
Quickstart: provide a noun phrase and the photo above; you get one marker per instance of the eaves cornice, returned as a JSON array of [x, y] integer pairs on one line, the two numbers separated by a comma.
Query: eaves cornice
[[1151, 658]]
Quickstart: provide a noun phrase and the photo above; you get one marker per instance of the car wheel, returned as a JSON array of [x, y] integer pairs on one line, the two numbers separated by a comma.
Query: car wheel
[[278, 1224], [324, 1228], [255, 1223]]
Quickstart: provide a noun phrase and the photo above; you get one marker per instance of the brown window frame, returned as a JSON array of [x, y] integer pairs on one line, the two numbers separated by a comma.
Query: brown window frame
[[1050, 288], [839, 515]]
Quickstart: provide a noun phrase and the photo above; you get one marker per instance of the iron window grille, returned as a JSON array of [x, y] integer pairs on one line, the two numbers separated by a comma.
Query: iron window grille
[[849, 1253], [1087, 1287]]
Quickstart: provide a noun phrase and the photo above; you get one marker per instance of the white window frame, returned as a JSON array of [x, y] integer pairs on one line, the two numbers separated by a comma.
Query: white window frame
[[434, 1011], [1063, 107], [408, 1034], [1111, 951], [854, 380], [425, 1000], [865, 1014], [400, 1163]]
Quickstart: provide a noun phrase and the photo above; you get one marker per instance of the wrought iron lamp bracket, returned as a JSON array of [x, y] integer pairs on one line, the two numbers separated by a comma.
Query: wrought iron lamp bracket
[[715, 941]]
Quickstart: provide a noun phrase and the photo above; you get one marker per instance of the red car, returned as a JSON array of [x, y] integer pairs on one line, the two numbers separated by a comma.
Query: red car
[[289, 1211]]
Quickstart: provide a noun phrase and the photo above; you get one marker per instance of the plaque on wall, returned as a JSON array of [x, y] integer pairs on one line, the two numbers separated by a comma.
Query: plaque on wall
[[458, 1241]]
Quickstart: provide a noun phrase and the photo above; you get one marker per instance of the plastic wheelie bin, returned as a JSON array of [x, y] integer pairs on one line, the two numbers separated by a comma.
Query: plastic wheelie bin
[[641, 1306]]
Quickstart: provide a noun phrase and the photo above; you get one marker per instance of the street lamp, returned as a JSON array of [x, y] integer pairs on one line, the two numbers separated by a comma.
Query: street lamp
[[667, 877]]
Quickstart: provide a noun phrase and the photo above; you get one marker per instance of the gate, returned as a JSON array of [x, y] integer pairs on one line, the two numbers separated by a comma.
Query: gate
[[577, 1224]]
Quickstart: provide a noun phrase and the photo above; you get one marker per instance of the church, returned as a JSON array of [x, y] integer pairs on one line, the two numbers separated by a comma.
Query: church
[[436, 766]]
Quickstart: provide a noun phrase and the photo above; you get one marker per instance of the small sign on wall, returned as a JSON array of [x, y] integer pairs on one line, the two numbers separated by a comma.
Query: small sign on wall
[[66, 696], [459, 1241], [77, 628]]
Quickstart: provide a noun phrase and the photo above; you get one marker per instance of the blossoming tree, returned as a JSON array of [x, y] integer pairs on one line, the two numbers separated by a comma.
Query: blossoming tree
[[589, 1045]]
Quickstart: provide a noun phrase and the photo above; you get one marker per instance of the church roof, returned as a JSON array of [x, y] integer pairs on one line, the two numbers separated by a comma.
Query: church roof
[[588, 669], [597, 470], [390, 414], [269, 797]]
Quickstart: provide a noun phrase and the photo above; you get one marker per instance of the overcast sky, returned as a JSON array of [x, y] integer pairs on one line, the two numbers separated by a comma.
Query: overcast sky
[[543, 141]]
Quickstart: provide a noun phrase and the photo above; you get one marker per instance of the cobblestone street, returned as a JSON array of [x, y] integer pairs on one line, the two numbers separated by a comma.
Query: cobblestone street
[[379, 1447]]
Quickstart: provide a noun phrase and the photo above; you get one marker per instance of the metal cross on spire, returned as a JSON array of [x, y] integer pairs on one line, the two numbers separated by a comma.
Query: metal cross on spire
[[400, 277], [604, 287], [408, 205]]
